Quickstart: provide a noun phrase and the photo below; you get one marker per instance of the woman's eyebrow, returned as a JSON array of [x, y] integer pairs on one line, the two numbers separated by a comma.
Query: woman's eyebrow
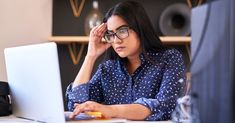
[[121, 27], [117, 28]]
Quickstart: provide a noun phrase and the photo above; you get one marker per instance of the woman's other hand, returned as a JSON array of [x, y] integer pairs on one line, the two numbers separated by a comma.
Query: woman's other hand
[[91, 106]]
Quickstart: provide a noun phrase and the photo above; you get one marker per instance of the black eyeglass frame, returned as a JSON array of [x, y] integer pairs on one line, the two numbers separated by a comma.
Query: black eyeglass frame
[[116, 34]]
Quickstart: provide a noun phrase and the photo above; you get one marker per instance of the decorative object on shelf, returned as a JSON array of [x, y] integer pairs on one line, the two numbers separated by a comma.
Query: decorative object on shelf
[[75, 56], [94, 17], [77, 9], [175, 20], [192, 3]]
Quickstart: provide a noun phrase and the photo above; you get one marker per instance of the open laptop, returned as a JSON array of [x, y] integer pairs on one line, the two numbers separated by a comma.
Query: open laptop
[[34, 79]]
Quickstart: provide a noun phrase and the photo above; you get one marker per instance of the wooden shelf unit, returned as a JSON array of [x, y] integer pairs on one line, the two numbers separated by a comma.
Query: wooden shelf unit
[[175, 40]]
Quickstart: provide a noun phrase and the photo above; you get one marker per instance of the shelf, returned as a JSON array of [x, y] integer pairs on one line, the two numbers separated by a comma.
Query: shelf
[[175, 40], [71, 40]]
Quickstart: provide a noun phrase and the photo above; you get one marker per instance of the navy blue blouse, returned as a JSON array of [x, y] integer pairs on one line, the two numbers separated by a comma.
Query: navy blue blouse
[[156, 84]]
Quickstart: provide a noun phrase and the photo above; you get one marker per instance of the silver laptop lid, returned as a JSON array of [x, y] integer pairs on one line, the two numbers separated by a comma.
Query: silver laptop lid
[[34, 79]]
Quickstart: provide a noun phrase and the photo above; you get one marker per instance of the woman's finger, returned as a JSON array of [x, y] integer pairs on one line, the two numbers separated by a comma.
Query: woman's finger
[[76, 104], [99, 30], [75, 112], [93, 30]]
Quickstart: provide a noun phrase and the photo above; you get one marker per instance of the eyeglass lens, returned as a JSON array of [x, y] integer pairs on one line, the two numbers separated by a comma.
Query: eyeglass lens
[[121, 33]]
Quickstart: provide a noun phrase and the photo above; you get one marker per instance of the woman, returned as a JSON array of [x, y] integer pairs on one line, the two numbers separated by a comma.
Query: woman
[[142, 79]]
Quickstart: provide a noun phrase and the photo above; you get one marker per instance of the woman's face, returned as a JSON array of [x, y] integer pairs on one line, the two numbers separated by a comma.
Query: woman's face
[[126, 42]]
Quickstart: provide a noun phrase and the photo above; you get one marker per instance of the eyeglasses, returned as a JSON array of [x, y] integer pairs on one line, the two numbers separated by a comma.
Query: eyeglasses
[[121, 33]]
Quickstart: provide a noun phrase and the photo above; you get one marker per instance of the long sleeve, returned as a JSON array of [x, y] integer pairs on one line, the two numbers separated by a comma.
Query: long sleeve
[[90, 91], [171, 88]]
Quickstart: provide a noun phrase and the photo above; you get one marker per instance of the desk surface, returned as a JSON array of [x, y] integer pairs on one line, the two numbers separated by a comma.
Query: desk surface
[[12, 119]]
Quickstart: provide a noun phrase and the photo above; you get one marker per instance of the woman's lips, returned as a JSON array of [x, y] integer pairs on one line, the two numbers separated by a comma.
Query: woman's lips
[[118, 49]]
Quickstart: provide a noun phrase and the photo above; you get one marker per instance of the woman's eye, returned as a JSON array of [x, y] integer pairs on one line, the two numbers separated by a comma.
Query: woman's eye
[[122, 31]]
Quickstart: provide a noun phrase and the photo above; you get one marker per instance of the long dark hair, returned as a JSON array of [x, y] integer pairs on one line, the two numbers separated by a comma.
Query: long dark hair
[[134, 14]]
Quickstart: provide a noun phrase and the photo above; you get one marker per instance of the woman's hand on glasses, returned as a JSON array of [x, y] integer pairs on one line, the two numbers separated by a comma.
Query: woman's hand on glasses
[[96, 47]]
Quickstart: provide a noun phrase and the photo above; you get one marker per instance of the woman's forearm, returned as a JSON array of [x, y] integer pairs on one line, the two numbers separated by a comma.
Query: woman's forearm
[[84, 74], [131, 111]]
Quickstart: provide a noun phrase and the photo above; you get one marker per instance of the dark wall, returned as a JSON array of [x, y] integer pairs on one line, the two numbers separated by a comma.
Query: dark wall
[[65, 24]]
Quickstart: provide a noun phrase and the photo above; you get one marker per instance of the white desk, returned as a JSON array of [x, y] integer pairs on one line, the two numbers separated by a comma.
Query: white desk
[[12, 119]]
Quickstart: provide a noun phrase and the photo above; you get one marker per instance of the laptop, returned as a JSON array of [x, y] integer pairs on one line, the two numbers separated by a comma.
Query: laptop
[[34, 79]]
